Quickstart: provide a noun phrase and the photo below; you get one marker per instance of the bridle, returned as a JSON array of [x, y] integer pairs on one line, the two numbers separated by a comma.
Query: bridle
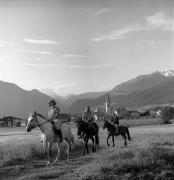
[[39, 125]]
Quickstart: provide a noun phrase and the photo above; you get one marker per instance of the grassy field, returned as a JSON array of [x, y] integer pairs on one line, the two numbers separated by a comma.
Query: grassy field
[[150, 155]]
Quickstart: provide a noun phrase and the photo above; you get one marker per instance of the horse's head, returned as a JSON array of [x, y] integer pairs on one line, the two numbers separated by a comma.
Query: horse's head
[[80, 128], [105, 125], [31, 122]]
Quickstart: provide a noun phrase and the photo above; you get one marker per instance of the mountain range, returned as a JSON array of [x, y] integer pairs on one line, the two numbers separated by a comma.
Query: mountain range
[[15, 101], [154, 88]]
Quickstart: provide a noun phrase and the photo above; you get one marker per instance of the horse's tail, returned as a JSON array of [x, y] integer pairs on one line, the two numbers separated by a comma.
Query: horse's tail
[[128, 134]]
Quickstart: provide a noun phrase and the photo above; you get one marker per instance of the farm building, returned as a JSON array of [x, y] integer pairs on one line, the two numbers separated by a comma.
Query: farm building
[[123, 113], [65, 117], [134, 114], [99, 115], [10, 121]]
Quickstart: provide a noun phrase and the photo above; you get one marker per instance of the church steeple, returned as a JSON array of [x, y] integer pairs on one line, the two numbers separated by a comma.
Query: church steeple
[[108, 103]]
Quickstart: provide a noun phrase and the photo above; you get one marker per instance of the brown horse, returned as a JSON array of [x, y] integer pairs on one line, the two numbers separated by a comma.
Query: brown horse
[[122, 130], [86, 131]]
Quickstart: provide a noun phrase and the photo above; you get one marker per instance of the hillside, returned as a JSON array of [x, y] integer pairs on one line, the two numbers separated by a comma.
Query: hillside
[[17, 102], [70, 99], [161, 93], [140, 83], [89, 95]]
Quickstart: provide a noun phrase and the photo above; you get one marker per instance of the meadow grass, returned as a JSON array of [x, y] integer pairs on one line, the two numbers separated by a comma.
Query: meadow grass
[[154, 162], [150, 155], [15, 154], [12, 154]]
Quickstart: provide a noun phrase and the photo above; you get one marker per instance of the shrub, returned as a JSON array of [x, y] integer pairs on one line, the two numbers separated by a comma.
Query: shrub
[[167, 115]]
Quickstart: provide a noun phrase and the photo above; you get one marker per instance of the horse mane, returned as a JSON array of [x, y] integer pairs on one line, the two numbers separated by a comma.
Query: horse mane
[[107, 122], [80, 121], [40, 115]]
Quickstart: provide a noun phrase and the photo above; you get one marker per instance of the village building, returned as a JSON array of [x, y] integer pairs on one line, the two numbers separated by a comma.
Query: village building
[[65, 117], [10, 121], [99, 114]]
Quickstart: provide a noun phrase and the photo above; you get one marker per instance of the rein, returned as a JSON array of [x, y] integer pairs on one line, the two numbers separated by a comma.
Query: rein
[[108, 125], [39, 125]]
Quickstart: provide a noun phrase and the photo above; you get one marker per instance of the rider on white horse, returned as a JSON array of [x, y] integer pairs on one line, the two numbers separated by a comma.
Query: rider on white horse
[[53, 114]]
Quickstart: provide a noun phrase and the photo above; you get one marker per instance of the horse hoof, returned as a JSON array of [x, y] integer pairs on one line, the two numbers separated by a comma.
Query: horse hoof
[[55, 162], [48, 164], [67, 161]]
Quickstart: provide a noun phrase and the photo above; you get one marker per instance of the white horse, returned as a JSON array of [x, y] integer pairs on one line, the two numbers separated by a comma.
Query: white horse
[[48, 136]]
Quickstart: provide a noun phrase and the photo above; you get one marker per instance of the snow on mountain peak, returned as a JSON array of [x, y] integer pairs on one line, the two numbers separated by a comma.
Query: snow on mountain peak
[[167, 73]]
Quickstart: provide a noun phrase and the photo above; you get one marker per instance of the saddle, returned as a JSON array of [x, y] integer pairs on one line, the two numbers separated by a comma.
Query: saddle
[[94, 125], [116, 128], [57, 128]]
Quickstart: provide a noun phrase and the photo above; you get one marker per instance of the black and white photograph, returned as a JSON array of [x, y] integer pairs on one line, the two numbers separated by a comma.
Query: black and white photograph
[[86, 90]]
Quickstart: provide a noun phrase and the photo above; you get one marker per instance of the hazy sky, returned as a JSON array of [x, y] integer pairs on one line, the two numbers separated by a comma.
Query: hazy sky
[[75, 46]]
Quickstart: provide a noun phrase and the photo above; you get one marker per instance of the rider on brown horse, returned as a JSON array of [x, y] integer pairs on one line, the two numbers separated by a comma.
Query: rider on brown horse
[[115, 120], [88, 115]]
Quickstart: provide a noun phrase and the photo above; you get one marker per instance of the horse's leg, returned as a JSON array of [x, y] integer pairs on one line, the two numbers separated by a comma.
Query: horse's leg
[[108, 140], [44, 148], [58, 153], [84, 148], [93, 145], [49, 152], [125, 138], [72, 142], [68, 149], [113, 144], [69, 143], [87, 146]]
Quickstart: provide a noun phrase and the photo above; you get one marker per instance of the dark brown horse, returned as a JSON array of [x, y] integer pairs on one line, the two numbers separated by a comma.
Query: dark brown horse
[[122, 130], [86, 131]]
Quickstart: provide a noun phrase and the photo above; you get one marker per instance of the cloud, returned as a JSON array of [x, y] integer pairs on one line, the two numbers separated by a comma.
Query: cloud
[[73, 56], [35, 51], [91, 66], [64, 85], [3, 42], [63, 89], [160, 21], [157, 21], [118, 34], [101, 11], [103, 66], [41, 41], [2, 60], [39, 65], [71, 66]]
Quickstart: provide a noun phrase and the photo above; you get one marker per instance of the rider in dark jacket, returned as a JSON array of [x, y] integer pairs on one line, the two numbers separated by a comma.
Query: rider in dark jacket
[[88, 115], [115, 120]]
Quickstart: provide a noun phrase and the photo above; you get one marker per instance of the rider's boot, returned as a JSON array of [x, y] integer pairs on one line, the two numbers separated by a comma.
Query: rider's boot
[[57, 131]]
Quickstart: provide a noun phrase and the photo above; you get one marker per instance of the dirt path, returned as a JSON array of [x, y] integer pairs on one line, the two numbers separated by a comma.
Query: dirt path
[[37, 169]]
